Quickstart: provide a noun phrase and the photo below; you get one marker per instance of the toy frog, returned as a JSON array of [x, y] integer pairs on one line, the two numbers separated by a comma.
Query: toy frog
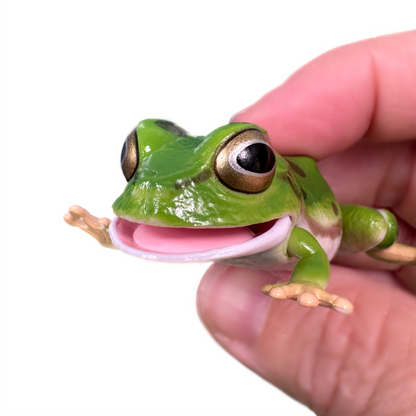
[[228, 197]]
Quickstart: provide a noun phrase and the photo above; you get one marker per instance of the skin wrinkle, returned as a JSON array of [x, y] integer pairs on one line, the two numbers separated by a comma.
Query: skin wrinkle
[[388, 95], [342, 359], [377, 344], [337, 67], [343, 369], [325, 360], [300, 379], [303, 326], [405, 189], [412, 345], [305, 368], [388, 345], [400, 207], [275, 337], [375, 84], [356, 352], [384, 179], [392, 382], [335, 387], [387, 314]]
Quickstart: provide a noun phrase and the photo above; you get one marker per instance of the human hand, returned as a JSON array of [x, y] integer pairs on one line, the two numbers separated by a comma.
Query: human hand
[[354, 107]]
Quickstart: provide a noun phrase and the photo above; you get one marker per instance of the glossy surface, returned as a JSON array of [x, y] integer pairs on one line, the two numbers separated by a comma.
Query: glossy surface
[[227, 197], [175, 184]]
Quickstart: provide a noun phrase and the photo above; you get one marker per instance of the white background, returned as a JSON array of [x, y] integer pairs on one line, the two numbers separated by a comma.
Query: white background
[[89, 331]]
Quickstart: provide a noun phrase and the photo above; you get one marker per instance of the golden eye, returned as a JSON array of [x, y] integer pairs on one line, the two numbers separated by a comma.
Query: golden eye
[[130, 156], [246, 162]]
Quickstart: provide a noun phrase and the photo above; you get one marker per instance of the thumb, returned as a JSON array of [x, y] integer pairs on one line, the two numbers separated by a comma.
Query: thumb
[[364, 363], [333, 101]]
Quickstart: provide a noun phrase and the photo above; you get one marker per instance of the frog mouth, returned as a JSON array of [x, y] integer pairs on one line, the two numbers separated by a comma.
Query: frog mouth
[[196, 244]]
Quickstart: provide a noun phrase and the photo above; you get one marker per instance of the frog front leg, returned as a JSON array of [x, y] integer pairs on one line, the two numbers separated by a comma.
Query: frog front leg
[[96, 227], [309, 276]]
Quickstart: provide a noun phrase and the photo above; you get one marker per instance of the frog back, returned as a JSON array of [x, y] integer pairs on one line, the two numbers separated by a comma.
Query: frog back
[[320, 212]]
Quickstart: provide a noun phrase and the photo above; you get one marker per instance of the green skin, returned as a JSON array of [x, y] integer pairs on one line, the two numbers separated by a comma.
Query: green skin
[[186, 192], [176, 185]]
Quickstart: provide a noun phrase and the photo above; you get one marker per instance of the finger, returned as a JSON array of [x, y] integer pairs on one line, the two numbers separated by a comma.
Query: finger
[[326, 360], [362, 261], [407, 276], [380, 175], [406, 206], [371, 174], [363, 89]]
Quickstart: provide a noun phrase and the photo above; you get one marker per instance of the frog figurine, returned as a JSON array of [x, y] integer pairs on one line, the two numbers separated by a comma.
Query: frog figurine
[[228, 197]]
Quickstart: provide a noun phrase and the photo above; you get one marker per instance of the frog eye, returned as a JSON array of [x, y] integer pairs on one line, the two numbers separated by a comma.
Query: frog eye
[[130, 156], [246, 163]]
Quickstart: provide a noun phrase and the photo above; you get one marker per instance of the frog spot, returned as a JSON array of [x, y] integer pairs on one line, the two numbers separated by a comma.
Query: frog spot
[[335, 208], [297, 169], [305, 196], [172, 128]]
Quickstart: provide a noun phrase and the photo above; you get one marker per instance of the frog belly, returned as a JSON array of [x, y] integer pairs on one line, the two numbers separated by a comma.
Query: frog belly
[[123, 233]]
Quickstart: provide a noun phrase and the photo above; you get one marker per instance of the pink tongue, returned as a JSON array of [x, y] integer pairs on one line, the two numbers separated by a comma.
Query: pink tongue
[[188, 240]]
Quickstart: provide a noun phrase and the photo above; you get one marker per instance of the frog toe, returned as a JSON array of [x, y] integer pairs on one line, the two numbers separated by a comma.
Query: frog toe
[[308, 295], [266, 289], [308, 300], [278, 293], [342, 305]]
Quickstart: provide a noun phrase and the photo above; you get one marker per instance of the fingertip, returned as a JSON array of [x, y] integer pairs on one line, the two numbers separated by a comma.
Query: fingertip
[[237, 117]]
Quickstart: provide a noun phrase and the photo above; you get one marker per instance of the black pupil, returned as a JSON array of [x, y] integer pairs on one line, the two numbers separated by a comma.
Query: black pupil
[[257, 158]]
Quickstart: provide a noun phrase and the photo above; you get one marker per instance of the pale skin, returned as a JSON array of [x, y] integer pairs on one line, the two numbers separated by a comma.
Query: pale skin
[[355, 108]]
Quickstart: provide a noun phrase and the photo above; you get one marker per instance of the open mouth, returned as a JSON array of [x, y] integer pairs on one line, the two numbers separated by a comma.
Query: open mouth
[[195, 244]]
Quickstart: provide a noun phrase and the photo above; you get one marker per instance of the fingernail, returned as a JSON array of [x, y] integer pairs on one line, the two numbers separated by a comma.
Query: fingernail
[[233, 308]]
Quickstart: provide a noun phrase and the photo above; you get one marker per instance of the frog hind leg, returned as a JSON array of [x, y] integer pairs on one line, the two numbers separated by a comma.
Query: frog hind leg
[[374, 232], [397, 253], [309, 276]]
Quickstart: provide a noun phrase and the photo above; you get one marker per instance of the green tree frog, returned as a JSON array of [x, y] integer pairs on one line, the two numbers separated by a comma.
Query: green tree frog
[[228, 197]]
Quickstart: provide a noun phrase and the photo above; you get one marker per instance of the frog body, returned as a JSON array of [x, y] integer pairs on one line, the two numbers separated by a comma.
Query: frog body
[[176, 185], [228, 197]]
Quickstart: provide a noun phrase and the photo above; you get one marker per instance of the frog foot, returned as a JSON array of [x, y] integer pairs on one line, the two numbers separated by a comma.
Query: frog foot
[[308, 295], [96, 227]]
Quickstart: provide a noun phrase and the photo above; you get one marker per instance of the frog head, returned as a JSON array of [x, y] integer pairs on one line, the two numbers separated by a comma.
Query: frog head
[[202, 198]]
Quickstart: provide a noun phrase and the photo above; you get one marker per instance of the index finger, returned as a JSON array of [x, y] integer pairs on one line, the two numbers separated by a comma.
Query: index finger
[[363, 89]]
